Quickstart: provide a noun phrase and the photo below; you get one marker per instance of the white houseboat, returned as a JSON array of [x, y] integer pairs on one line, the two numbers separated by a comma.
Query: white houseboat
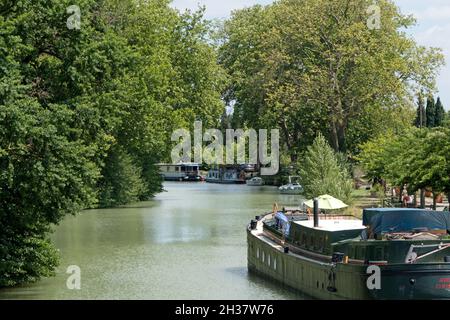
[[180, 172]]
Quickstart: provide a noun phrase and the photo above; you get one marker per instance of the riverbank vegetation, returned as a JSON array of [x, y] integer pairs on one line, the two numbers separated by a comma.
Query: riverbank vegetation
[[418, 158], [86, 111], [322, 171]]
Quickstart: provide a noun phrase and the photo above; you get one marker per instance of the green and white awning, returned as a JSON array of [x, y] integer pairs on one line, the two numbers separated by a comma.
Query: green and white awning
[[327, 202]]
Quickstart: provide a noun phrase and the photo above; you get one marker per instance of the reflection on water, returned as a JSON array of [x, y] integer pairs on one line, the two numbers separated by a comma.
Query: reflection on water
[[189, 243]]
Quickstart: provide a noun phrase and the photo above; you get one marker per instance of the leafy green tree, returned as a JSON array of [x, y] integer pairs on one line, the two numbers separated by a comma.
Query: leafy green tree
[[418, 158], [431, 112], [440, 113], [85, 114], [322, 173], [447, 120], [45, 174], [376, 154], [313, 66], [121, 181], [421, 118]]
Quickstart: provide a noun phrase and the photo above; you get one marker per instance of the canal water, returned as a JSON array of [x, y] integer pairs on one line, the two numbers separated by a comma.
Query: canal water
[[188, 243]]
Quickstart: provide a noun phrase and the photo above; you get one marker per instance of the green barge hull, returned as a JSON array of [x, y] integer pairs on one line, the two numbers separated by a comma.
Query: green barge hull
[[267, 256]]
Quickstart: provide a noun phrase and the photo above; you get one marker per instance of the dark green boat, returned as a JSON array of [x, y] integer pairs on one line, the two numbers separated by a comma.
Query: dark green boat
[[390, 254]]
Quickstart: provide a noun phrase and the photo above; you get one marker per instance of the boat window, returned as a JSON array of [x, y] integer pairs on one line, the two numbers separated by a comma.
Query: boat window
[[304, 240], [275, 264], [257, 253], [268, 260], [263, 257]]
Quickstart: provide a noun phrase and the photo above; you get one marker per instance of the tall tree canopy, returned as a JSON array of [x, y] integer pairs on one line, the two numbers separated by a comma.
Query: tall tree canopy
[[419, 158], [314, 65], [322, 171], [421, 118], [86, 112], [431, 112], [440, 113]]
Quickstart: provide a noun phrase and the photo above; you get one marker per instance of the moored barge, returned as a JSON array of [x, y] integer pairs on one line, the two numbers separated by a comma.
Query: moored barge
[[340, 257]]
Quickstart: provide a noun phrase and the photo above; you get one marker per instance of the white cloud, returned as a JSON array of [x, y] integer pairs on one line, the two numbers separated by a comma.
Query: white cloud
[[434, 13]]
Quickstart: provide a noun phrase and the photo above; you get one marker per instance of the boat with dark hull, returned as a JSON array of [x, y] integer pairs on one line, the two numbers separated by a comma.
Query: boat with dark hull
[[340, 257], [227, 174]]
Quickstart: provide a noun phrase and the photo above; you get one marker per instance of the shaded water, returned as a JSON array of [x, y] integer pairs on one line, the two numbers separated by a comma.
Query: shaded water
[[189, 243]]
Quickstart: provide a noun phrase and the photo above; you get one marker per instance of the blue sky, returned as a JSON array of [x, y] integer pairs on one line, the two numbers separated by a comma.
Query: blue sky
[[433, 28]]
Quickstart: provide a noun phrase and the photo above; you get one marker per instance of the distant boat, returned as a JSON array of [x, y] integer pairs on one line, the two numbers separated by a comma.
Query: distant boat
[[180, 172], [255, 182], [224, 174], [292, 187]]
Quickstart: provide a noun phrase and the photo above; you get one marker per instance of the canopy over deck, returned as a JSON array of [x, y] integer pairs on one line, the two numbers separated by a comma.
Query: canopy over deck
[[405, 220], [327, 202]]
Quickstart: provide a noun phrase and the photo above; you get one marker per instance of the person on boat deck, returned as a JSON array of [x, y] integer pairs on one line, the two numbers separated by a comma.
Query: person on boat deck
[[405, 197], [411, 201]]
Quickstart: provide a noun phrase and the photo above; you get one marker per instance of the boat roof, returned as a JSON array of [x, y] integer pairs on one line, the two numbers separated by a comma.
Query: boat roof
[[333, 225], [401, 220]]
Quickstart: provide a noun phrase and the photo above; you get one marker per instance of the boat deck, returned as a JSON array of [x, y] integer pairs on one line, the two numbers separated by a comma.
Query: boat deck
[[279, 245], [333, 225]]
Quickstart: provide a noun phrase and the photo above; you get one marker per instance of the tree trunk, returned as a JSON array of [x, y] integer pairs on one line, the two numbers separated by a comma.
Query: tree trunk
[[435, 195], [341, 137], [334, 137], [422, 199], [448, 199], [338, 136]]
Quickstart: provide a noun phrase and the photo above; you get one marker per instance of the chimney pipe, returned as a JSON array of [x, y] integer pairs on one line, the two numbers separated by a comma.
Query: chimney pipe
[[316, 213]]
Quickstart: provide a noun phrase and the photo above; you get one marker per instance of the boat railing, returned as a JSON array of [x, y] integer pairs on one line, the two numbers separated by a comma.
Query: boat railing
[[333, 217], [413, 257]]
